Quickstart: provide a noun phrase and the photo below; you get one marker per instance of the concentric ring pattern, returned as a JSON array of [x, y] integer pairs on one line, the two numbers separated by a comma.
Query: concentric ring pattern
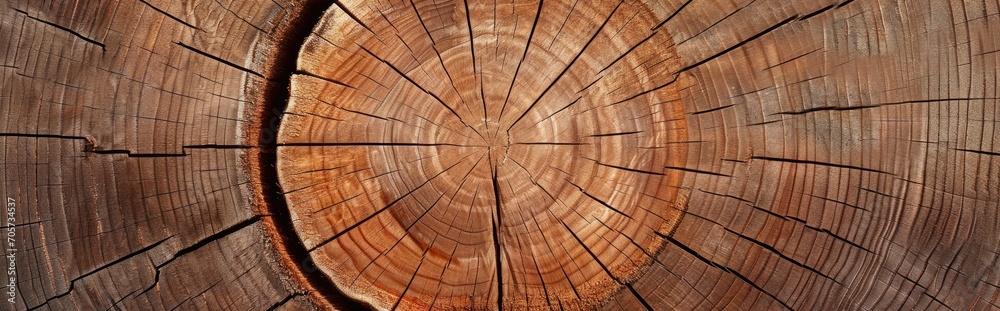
[[542, 154], [480, 155]]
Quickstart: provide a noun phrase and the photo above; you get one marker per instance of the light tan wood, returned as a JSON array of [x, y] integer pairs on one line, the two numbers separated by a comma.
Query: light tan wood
[[745, 154]]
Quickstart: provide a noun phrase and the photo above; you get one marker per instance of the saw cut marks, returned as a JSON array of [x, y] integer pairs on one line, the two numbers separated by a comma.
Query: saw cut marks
[[484, 156]]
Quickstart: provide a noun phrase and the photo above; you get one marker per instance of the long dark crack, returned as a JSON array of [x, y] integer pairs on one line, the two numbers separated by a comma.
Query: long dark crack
[[66, 29], [274, 98], [566, 69], [497, 225], [527, 46]]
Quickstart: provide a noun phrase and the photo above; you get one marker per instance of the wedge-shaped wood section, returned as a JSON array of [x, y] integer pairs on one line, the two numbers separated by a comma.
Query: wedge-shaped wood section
[[666, 155]]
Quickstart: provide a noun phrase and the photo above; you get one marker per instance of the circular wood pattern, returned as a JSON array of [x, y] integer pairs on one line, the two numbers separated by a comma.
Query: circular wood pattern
[[472, 155], [635, 155]]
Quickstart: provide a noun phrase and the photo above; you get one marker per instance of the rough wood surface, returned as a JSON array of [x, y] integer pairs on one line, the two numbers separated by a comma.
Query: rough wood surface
[[676, 154], [120, 122], [535, 167]]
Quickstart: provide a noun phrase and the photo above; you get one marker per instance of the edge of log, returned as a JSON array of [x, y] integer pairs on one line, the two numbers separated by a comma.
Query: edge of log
[[266, 103]]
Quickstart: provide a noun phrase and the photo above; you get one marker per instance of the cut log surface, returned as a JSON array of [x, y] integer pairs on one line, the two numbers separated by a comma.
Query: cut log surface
[[413, 154], [122, 129], [484, 155]]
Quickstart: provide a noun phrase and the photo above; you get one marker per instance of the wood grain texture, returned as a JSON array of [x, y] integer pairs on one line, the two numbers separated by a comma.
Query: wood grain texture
[[121, 126], [666, 155], [425, 168]]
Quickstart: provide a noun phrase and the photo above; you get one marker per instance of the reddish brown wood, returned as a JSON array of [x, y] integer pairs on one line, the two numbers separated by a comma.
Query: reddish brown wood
[[800, 155], [422, 169]]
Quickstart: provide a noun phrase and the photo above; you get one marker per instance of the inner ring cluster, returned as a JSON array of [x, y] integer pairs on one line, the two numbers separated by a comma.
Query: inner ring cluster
[[479, 156]]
